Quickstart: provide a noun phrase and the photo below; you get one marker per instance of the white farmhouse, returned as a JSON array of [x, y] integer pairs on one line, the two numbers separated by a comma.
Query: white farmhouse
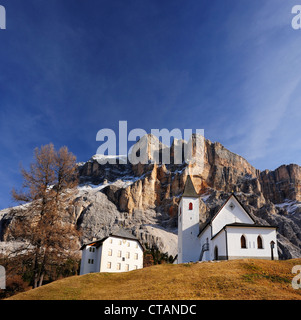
[[230, 234], [118, 252]]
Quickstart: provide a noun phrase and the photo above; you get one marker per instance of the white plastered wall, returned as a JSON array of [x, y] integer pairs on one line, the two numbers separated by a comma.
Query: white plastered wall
[[228, 215], [188, 230], [234, 243], [114, 255], [126, 255]]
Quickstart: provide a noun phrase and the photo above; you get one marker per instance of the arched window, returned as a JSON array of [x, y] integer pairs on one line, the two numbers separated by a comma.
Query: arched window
[[259, 242], [243, 242], [190, 206]]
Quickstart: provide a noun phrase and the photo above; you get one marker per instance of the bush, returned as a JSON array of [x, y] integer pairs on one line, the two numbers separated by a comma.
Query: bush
[[153, 256], [14, 284]]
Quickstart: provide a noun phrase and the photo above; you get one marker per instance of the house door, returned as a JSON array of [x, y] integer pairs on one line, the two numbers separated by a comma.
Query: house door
[[215, 253]]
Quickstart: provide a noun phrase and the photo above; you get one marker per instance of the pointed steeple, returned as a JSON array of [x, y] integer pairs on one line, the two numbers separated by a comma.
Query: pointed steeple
[[189, 190]]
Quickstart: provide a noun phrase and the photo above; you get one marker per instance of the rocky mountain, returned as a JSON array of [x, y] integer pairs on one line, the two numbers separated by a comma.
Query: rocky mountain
[[144, 197]]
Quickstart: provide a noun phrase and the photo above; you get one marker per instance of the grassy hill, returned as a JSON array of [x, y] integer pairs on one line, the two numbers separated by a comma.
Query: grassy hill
[[239, 279]]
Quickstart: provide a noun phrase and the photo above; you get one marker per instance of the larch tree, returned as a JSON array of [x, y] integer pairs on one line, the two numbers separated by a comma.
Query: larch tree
[[44, 224]]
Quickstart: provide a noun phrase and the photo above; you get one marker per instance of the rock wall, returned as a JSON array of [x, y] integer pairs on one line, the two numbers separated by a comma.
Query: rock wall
[[157, 187], [282, 184], [144, 197]]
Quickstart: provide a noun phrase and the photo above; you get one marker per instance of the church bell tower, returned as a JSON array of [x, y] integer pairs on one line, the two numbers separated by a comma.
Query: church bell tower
[[188, 224]]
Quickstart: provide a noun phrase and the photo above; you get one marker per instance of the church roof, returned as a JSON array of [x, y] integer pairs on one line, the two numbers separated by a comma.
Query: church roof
[[250, 225], [234, 196], [245, 225], [220, 209], [189, 190]]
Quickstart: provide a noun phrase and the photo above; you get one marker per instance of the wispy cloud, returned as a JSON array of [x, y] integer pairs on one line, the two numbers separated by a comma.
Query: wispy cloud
[[269, 90]]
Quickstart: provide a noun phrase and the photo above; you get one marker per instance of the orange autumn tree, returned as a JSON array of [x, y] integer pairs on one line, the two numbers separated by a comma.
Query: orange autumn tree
[[44, 223]]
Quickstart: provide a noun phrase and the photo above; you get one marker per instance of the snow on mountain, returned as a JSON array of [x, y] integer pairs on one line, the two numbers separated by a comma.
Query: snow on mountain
[[290, 206]]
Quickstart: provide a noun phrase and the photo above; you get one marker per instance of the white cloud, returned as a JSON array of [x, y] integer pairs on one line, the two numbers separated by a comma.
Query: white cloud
[[269, 90]]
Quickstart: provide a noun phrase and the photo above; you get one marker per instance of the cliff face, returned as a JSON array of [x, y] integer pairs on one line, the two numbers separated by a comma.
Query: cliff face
[[153, 185], [282, 183], [145, 197], [153, 191]]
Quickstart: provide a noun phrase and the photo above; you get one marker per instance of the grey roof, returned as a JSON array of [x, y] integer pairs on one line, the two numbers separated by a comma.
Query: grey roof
[[220, 209], [121, 233], [244, 225], [189, 190], [252, 225]]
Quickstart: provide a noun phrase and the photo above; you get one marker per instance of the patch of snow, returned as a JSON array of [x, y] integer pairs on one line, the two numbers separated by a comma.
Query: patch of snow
[[289, 205], [91, 187], [120, 183], [127, 181], [205, 197], [101, 158], [180, 171], [247, 177]]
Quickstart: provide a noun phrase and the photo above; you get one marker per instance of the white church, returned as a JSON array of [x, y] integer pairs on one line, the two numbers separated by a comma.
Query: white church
[[230, 234]]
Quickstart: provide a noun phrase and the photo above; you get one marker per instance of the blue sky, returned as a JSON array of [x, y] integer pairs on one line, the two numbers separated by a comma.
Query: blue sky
[[69, 68]]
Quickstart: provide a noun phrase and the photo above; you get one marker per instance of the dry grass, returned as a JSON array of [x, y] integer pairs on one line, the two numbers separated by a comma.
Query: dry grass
[[238, 280]]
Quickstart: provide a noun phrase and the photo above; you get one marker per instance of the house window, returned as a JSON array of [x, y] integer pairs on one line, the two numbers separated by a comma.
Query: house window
[[118, 266], [243, 242], [119, 254], [136, 256], [120, 242], [90, 261], [190, 206], [127, 267], [110, 252], [109, 265], [92, 249], [128, 244], [136, 245], [111, 240], [127, 255], [259, 242]]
